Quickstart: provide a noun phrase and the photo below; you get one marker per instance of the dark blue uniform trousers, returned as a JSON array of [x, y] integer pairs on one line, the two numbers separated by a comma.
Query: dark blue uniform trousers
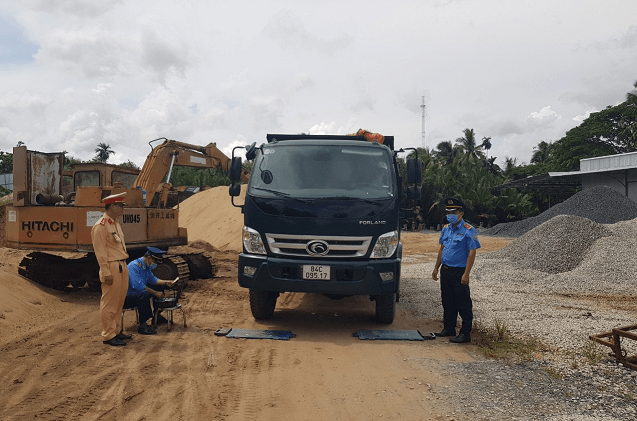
[[141, 300], [456, 299]]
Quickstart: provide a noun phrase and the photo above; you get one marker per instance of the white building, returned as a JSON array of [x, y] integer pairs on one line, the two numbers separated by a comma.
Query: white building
[[616, 171]]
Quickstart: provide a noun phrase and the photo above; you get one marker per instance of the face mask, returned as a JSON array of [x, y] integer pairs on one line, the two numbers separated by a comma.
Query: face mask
[[452, 218], [153, 266]]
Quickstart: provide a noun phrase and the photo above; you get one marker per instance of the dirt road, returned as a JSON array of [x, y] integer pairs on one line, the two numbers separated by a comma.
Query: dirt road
[[53, 365]]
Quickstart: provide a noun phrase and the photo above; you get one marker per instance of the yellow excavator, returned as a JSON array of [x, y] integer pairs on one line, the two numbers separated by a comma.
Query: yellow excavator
[[54, 210]]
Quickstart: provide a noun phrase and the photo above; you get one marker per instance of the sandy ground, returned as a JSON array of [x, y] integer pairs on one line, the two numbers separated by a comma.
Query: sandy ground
[[53, 364]]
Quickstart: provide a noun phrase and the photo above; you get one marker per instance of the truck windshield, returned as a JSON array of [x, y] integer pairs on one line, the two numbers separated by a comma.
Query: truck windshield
[[325, 171]]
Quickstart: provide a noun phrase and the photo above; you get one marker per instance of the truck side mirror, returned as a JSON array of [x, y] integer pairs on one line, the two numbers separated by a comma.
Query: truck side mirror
[[414, 193], [235, 190], [235, 169], [414, 171], [251, 151]]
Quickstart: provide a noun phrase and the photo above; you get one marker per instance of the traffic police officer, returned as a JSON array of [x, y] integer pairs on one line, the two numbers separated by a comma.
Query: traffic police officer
[[458, 244], [110, 251]]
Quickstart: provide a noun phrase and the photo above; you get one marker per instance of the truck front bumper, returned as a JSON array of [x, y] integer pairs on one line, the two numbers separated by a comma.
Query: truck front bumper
[[346, 277]]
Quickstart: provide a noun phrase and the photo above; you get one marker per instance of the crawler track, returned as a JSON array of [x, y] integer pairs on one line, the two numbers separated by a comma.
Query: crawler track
[[58, 272]]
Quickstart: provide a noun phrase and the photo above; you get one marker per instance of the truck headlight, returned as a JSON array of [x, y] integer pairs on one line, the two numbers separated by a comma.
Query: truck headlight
[[252, 241], [385, 245]]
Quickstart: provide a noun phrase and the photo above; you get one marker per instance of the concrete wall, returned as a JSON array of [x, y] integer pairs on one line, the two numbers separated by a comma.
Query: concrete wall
[[616, 181]]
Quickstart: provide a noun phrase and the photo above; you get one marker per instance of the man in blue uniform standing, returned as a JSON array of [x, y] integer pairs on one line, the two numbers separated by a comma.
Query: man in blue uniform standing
[[140, 276], [458, 244]]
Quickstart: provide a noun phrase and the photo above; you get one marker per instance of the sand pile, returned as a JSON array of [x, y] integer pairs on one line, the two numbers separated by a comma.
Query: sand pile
[[210, 216], [600, 204]]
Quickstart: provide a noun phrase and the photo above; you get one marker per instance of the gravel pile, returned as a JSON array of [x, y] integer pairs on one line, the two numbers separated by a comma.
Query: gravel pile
[[564, 280], [558, 245], [600, 204]]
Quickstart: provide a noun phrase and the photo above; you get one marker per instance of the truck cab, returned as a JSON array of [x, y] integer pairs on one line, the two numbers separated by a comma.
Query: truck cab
[[322, 215]]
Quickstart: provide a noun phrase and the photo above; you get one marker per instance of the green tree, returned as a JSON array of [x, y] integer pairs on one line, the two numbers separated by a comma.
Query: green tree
[[469, 145], [103, 152], [541, 153], [486, 144], [608, 132], [6, 163], [129, 164], [445, 151]]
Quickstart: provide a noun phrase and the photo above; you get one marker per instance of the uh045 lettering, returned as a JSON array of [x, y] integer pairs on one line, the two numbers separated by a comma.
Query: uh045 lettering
[[129, 218]]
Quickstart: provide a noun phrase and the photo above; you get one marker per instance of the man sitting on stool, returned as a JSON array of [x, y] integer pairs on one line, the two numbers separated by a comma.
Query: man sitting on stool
[[142, 283]]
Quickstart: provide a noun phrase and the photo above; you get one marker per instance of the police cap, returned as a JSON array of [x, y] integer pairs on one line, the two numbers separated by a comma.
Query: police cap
[[114, 198], [155, 253], [453, 204]]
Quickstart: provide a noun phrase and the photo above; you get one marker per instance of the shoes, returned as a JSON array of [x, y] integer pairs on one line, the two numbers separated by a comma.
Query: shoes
[[446, 332], [114, 341], [144, 329], [161, 320], [460, 339], [123, 336]]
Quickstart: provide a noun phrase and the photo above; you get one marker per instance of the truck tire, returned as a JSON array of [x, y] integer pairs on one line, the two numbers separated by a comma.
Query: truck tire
[[385, 308], [262, 303]]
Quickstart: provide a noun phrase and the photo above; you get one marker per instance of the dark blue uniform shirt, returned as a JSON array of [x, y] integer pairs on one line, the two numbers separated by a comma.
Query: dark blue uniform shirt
[[139, 275], [457, 242]]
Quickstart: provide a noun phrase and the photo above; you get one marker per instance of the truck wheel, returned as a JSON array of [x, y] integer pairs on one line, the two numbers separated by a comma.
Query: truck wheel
[[262, 303], [385, 308]]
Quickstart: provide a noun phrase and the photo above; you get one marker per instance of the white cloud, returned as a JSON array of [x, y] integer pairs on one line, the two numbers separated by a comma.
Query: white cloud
[[288, 31], [543, 117], [322, 128], [580, 118]]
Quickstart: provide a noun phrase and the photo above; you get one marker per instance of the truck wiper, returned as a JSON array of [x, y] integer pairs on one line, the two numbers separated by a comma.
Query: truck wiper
[[372, 202], [274, 192], [282, 194]]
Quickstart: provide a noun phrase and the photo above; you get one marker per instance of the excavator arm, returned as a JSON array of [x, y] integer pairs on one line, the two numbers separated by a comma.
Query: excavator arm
[[164, 157]]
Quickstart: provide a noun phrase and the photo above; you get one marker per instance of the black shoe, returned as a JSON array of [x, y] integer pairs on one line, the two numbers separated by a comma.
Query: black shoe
[[115, 341], [146, 330], [461, 339], [123, 336], [445, 332], [161, 320]]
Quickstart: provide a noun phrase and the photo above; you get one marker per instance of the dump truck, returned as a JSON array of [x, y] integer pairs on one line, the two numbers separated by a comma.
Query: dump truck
[[322, 215], [53, 211]]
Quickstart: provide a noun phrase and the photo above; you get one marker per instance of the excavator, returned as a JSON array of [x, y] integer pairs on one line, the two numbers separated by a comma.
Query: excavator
[[53, 211]]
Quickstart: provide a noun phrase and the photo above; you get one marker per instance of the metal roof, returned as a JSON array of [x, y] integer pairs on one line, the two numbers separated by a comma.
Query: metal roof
[[545, 183]]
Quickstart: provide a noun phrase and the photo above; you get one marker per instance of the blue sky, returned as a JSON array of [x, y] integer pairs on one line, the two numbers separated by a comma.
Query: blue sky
[[74, 73]]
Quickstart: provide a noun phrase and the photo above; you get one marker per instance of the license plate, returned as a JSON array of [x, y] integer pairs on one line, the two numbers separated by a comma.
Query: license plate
[[317, 272]]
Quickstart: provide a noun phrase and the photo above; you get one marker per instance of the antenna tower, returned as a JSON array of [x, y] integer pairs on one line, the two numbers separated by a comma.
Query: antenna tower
[[422, 117]]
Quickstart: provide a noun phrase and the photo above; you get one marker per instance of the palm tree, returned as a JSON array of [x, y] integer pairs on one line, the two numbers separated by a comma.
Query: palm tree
[[468, 143], [446, 150], [509, 164], [486, 144], [541, 153], [103, 152]]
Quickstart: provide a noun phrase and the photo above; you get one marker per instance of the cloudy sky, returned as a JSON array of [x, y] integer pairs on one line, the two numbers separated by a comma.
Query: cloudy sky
[[74, 73]]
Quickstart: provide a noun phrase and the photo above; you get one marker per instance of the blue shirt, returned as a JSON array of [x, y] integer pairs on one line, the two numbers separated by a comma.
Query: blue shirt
[[457, 243], [139, 275]]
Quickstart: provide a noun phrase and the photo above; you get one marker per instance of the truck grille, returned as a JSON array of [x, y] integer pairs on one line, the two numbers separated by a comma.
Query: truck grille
[[338, 247]]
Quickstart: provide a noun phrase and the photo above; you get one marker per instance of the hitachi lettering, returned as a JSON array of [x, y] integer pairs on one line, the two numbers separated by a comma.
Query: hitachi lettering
[[131, 219], [47, 226]]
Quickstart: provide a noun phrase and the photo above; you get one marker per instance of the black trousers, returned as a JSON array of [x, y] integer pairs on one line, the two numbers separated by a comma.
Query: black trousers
[[141, 300], [456, 299]]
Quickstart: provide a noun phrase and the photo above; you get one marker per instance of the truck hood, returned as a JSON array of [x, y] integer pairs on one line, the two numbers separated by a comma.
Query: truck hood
[[333, 208]]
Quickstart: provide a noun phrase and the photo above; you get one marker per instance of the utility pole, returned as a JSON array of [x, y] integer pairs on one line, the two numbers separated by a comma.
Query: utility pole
[[422, 107]]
